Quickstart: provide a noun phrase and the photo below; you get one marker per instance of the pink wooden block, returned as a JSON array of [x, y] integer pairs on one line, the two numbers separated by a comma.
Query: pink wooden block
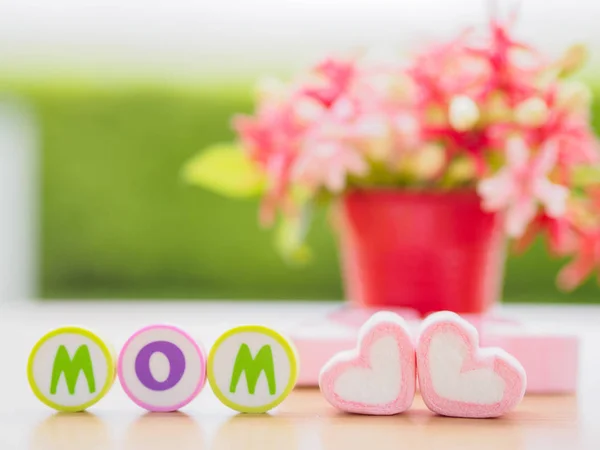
[[356, 317], [551, 361]]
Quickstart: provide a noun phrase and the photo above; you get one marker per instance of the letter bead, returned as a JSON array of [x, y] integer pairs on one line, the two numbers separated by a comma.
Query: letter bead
[[161, 368], [70, 369], [252, 368]]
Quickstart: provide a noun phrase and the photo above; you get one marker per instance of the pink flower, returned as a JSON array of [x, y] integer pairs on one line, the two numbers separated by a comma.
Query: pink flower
[[587, 259], [569, 131], [517, 187], [271, 138], [444, 73], [587, 247], [336, 78], [447, 69], [328, 164], [513, 65], [558, 232], [575, 141]]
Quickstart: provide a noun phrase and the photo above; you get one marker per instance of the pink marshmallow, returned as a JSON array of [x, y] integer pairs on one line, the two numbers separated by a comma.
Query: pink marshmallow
[[457, 378], [378, 377]]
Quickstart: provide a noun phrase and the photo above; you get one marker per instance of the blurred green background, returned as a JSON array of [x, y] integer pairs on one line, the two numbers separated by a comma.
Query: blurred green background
[[118, 222]]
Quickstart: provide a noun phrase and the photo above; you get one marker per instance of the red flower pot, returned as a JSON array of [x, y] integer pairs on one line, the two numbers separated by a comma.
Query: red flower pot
[[423, 250]]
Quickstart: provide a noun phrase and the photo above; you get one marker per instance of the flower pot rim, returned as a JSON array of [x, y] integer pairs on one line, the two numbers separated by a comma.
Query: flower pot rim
[[412, 192]]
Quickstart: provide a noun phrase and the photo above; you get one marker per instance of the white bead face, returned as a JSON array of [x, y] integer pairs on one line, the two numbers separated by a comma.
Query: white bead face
[[252, 369], [70, 369], [161, 368]]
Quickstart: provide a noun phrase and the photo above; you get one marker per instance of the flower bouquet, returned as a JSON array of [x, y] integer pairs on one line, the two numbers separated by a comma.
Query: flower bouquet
[[430, 163]]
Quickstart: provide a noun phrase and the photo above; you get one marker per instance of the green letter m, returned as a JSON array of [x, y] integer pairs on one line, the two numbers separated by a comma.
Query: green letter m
[[71, 368], [253, 367]]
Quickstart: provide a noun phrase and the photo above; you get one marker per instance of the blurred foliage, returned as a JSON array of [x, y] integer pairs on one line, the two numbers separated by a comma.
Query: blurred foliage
[[226, 170], [117, 220]]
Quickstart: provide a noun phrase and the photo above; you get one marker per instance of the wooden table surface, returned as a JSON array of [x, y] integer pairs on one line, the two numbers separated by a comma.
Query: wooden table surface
[[303, 421]]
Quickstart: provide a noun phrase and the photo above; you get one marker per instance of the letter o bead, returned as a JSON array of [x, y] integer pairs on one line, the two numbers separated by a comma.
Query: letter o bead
[[161, 368], [70, 369], [252, 368]]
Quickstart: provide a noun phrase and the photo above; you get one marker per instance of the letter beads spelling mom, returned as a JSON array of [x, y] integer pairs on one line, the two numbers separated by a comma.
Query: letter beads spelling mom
[[161, 368], [252, 368], [70, 369]]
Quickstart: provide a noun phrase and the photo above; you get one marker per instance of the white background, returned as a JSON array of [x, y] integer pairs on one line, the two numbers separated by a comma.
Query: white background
[[191, 38]]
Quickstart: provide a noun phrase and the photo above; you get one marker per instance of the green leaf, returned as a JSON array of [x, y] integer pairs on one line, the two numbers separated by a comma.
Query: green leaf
[[290, 237], [586, 176], [226, 170]]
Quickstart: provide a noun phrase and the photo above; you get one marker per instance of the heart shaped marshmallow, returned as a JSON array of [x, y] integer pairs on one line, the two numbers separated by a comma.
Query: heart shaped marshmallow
[[459, 379], [378, 377]]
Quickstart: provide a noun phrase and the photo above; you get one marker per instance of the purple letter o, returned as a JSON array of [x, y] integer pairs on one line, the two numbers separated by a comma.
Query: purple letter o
[[176, 361]]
